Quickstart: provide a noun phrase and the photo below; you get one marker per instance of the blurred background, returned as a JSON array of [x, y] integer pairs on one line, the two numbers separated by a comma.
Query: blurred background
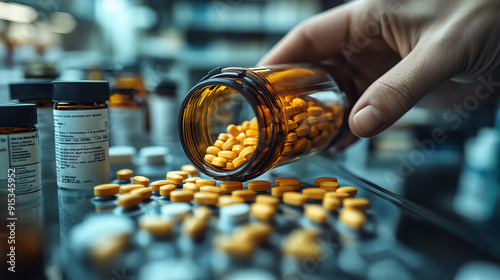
[[155, 50]]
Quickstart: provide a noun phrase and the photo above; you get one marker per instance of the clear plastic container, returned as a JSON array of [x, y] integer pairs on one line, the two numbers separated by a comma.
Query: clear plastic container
[[289, 111]]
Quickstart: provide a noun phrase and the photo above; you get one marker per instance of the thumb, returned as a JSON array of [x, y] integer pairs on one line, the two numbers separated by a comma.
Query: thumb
[[398, 90]]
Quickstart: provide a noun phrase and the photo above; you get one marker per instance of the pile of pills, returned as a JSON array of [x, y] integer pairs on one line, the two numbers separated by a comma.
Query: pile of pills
[[311, 124]]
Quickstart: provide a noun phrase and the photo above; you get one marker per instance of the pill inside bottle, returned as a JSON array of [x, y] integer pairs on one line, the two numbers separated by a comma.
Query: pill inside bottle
[[237, 123]]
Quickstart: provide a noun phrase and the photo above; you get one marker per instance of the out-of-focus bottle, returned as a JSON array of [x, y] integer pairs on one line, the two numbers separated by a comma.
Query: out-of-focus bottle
[[164, 109], [40, 93], [267, 116], [126, 118]]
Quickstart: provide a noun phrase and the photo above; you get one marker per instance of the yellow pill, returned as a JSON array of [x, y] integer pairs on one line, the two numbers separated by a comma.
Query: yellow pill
[[106, 189], [294, 198], [300, 103], [252, 133], [228, 155], [351, 191], [230, 186], [299, 117], [315, 111], [191, 187], [352, 218], [129, 200], [312, 120], [230, 166], [259, 185], [205, 182], [254, 123], [233, 130], [303, 129], [219, 143], [294, 183], [329, 186], [245, 125], [300, 145], [314, 193], [177, 179], [247, 152], [206, 198], [247, 195], [223, 137], [250, 142], [202, 212], [167, 189], [228, 200], [124, 174], [208, 158], [238, 148], [194, 227], [323, 179], [141, 180], [241, 137], [287, 151], [213, 150], [292, 110], [267, 199], [313, 132], [291, 137], [234, 248], [280, 190], [230, 143], [130, 187], [183, 174], [156, 226], [331, 203], [157, 184], [211, 189], [256, 233], [143, 192], [181, 196], [316, 213], [192, 180], [361, 204], [338, 195], [189, 168], [219, 162], [292, 125]]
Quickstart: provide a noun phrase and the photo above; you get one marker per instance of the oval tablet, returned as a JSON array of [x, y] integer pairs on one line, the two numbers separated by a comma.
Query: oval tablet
[[294, 198], [259, 185], [106, 189], [247, 195], [141, 180], [351, 191], [181, 196], [314, 193]]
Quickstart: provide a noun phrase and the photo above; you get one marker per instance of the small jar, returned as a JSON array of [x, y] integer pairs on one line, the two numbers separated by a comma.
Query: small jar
[[126, 118], [81, 126], [19, 160], [267, 116]]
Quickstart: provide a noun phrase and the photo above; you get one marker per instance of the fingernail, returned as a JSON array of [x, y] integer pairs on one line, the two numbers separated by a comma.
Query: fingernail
[[368, 120]]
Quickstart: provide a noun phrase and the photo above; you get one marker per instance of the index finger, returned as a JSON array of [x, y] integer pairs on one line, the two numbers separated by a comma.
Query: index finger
[[315, 39]]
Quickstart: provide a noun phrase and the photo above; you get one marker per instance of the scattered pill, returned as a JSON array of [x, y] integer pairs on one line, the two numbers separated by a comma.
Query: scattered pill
[[263, 211], [157, 184], [129, 200], [176, 178], [202, 212], [167, 189], [183, 174], [230, 186], [294, 198], [189, 168], [361, 204], [130, 187], [267, 199], [206, 198], [124, 174], [323, 179], [106, 189], [316, 213], [259, 185], [314, 193], [280, 190], [329, 186], [352, 218], [156, 226], [145, 193], [294, 183], [229, 200], [141, 180], [351, 191], [191, 187], [181, 196], [211, 189], [338, 195], [247, 195], [331, 203], [205, 182]]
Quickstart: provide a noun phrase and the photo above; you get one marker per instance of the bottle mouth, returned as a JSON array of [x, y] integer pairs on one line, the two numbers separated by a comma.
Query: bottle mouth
[[214, 104]]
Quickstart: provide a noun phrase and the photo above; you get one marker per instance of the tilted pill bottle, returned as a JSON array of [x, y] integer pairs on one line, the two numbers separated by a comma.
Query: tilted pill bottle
[[39, 92], [81, 133], [19, 160], [267, 115]]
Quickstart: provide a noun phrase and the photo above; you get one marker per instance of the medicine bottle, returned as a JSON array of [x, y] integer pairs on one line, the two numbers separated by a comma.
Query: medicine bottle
[[39, 92], [163, 111], [237, 123], [126, 118], [19, 160], [81, 133]]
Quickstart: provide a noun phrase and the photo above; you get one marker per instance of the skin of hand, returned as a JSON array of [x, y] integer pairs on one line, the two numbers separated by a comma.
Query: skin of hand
[[396, 51]]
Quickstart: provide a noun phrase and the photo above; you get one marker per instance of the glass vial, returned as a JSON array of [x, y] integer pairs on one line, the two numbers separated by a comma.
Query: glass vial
[[40, 93], [81, 133], [126, 118], [19, 160], [267, 116]]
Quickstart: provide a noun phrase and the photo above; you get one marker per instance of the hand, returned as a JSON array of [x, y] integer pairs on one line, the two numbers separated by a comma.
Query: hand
[[397, 51]]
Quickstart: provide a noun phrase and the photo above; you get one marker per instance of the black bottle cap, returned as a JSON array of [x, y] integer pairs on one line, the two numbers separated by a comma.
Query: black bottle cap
[[130, 91], [14, 115], [166, 88], [31, 90], [80, 91]]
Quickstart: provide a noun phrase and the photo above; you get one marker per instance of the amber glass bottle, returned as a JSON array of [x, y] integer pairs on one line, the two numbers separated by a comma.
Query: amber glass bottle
[[266, 116]]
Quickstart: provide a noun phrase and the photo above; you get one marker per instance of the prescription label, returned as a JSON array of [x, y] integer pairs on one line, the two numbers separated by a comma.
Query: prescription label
[[82, 144], [19, 152]]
